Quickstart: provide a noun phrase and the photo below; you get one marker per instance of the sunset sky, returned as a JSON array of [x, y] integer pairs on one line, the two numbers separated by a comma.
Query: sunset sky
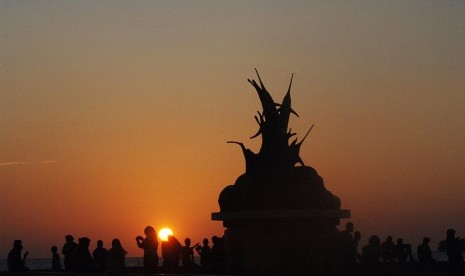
[[114, 115]]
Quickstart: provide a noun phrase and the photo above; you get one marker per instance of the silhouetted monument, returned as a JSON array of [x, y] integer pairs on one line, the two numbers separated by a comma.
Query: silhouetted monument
[[278, 214]]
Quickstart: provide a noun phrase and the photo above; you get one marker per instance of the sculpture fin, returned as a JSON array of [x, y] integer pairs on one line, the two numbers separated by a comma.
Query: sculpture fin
[[256, 135], [259, 79], [300, 143]]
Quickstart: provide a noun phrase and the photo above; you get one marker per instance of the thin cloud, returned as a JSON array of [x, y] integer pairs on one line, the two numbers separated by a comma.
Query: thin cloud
[[11, 163], [47, 162]]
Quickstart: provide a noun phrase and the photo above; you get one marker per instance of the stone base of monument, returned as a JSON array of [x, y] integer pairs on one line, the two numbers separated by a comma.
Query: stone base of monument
[[280, 241]]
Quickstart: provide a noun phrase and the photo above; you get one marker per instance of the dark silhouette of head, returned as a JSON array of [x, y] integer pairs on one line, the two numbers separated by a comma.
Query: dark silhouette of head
[[99, 243], [54, 249], [69, 238], [116, 243], [18, 245], [150, 231], [205, 242], [350, 227], [400, 241], [450, 234], [84, 242], [374, 241], [426, 240], [187, 241]]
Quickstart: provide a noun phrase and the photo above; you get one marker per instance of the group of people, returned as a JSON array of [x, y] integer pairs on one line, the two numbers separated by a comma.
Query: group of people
[[375, 253], [211, 259], [78, 258]]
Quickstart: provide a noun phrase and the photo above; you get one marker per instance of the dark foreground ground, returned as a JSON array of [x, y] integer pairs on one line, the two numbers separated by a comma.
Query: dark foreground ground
[[437, 269]]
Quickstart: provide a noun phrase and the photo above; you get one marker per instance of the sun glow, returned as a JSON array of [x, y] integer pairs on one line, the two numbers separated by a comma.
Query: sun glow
[[164, 233]]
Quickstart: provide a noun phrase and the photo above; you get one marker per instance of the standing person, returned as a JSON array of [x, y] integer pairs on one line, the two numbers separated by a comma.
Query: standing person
[[388, 249], [15, 262], [171, 251], [187, 256], [116, 255], [424, 252], [83, 261], [204, 252], [100, 257], [454, 250], [217, 255], [56, 264], [347, 254], [401, 251], [68, 250], [150, 246], [370, 255], [357, 238]]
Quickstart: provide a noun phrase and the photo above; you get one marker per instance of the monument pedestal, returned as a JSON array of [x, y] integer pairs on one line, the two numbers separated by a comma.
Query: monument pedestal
[[279, 241]]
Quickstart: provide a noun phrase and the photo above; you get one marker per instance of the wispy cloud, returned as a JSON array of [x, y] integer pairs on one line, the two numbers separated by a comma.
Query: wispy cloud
[[11, 163], [47, 162], [14, 163]]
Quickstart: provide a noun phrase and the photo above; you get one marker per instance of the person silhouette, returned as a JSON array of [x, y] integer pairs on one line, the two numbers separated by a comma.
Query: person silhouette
[[83, 261], [68, 251], [115, 258], [388, 250], [347, 255], [454, 250], [424, 252], [217, 255], [15, 262], [150, 246], [204, 252], [187, 256], [403, 252], [56, 264], [357, 238], [171, 251], [100, 257], [400, 250], [370, 255]]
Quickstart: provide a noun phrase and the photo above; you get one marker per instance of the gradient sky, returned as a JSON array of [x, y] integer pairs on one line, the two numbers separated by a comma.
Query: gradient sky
[[114, 115]]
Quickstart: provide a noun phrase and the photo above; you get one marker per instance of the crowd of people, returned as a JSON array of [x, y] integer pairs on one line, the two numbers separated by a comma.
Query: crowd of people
[[375, 253], [77, 256]]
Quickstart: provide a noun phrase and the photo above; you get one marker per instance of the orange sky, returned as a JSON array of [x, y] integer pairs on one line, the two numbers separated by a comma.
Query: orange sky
[[117, 113]]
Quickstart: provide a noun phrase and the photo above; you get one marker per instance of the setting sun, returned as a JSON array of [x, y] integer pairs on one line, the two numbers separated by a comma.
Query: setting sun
[[164, 233]]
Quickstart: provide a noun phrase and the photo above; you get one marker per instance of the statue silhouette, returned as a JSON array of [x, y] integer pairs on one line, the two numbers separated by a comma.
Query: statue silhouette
[[272, 174]]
